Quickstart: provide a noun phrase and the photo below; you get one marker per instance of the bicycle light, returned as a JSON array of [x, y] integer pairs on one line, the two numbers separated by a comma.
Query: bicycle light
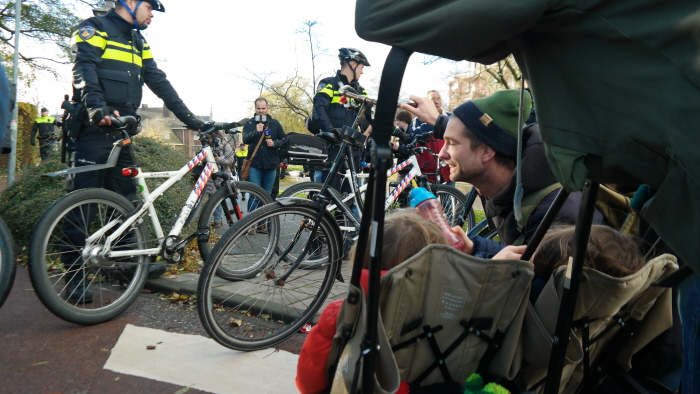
[[130, 171]]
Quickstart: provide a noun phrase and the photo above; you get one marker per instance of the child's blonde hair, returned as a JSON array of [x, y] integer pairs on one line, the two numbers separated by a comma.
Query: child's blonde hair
[[405, 234], [608, 251]]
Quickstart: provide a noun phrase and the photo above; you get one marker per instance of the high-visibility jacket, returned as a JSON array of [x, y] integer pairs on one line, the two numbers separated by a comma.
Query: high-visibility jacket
[[330, 111], [44, 126], [112, 62]]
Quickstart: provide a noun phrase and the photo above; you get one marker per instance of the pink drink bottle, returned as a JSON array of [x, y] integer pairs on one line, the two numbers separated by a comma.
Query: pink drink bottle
[[428, 206]]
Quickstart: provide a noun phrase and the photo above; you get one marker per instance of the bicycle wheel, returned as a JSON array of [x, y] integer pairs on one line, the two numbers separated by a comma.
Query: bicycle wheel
[[302, 190], [263, 310], [453, 202], [70, 276], [234, 207], [8, 267], [307, 190]]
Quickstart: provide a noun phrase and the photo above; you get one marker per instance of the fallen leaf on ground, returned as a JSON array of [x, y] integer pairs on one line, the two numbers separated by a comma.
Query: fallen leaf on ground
[[172, 276], [150, 347], [235, 322], [41, 363]]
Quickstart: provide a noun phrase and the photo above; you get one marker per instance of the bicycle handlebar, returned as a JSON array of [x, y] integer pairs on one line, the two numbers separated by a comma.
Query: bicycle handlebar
[[349, 91], [209, 127]]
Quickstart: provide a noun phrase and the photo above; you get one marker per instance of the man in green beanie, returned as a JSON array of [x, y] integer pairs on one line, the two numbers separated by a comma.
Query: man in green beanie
[[481, 147]]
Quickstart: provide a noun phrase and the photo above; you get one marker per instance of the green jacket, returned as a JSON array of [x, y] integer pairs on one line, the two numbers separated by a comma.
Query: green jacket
[[617, 96]]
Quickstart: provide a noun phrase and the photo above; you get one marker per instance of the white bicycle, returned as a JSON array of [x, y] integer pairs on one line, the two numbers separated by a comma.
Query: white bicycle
[[90, 251]]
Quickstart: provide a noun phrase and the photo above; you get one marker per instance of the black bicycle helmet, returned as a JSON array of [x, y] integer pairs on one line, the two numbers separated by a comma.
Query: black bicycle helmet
[[156, 4], [348, 54]]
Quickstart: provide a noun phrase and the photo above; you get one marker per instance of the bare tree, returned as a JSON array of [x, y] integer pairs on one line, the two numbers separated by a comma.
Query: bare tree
[[479, 80], [47, 22], [315, 48]]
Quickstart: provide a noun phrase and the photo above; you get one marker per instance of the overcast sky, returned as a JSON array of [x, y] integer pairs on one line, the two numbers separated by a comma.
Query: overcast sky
[[206, 48]]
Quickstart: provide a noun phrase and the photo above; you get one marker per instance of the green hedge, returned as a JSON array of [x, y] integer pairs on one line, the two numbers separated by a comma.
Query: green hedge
[[23, 203]]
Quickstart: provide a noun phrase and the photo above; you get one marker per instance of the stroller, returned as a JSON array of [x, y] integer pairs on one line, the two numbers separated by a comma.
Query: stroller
[[556, 359]]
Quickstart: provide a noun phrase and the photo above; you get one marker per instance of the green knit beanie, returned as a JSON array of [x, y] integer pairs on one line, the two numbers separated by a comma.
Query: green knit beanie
[[494, 119]]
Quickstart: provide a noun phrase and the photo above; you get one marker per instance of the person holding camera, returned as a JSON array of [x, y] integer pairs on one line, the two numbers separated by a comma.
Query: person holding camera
[[265, 136], [44, 128]]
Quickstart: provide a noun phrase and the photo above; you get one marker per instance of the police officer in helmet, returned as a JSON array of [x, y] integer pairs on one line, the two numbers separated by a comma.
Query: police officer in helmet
[[331, 113], [112, 62]]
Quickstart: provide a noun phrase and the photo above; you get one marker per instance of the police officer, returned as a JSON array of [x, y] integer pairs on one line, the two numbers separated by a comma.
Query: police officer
[[44, 127], [112, 61], [331, 113]]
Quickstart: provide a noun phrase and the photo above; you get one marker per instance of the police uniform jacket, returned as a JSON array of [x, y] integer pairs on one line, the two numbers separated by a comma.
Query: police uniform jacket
[[267, 157], [112, 62], [332, 114], [44, 126], [330, 111]]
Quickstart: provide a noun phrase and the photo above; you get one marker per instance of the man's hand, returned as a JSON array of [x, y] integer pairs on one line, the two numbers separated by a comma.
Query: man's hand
[[425, 109], [368, 132], [510, 253], [270, 142], [259, 127], [194, 124], [100, 116], [468, 243]]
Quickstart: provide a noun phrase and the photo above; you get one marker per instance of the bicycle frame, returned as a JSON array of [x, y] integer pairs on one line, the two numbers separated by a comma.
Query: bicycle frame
[[410, 177], [148, 200]]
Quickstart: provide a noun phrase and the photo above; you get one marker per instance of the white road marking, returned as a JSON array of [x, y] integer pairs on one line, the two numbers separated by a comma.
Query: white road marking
[[199, 362]]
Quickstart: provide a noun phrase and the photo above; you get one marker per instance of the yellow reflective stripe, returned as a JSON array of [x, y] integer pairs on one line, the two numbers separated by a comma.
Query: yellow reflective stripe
[[116, 54], [147, 54], [327, 90], [335, 100], [118, 44], [95, 40]]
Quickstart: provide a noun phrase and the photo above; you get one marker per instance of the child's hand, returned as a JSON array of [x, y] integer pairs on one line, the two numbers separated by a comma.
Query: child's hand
[[510, 253], [468, 243]]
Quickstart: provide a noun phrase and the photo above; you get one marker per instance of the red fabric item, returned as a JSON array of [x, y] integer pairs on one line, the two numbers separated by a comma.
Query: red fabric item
[[404, 388], [311, 369], [429, 163]]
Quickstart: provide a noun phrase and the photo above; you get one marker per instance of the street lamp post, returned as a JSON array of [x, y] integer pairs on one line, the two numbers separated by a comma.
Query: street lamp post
[[12, 161]]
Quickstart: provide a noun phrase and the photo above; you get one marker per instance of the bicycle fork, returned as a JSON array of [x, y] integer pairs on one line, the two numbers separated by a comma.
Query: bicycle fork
[[302, 226]]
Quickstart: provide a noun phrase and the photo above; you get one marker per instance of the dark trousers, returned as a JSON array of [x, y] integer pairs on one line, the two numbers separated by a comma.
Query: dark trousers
[[45, 146], [93, 147]]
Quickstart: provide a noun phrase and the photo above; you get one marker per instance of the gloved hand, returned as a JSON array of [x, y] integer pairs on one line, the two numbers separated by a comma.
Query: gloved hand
[[194, 124], [99, 113]]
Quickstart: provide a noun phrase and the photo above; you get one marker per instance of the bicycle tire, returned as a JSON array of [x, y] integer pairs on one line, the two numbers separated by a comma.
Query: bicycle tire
[[55, 257], [305, 190], [222, 198], [8, 266], [453, 202], [259, 312]]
